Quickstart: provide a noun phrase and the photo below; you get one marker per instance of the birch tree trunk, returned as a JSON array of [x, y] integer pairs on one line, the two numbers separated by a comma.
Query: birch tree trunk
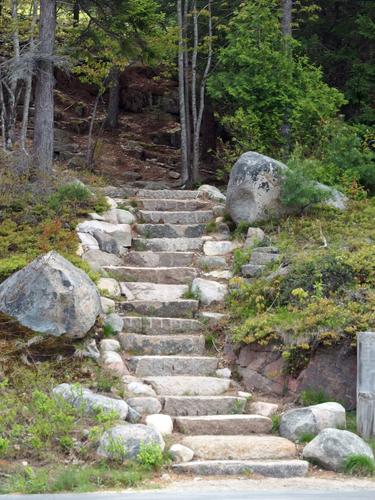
[[28, 81], [198, 115], [182, 95], [12, 114], [44, 102], [114, 99], [90, 148]]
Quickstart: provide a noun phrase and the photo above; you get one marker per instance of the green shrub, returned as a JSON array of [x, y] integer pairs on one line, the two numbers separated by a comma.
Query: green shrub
[[276, 420], [108, 330], [240, 258], [74, 194], [306, 437], [311, 396], [359, 465], [150, 456], [4, 446]]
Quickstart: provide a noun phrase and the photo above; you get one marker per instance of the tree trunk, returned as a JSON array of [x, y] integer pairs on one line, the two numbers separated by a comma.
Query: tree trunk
[[182, 96], [90, 147], [44, 102], [199, 113], [187, 87], [28, 81], [286, 26], [114, 99], [12, 114], [76, 11]]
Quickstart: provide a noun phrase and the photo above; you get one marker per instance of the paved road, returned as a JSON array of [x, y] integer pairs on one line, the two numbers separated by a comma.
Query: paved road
[[211, 495]]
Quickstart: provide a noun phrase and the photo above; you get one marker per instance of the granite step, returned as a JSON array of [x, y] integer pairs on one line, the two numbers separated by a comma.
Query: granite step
[[157, 275], [168, 244], [224, 424], [173, 205], [137, 290], [171, 230], [159, 259], [180, 385], [182, 308], [192, 217], [180, 406], [168, 194], [163, 345], [233, 447], [147, 366], [267, 468], [149, 325]]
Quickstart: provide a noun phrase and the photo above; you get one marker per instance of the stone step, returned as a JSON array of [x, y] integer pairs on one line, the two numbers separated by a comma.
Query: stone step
[[188, 386], [163, 345], [171, 230], [180, 406], [171, 309], [224, 424], [168, 244], [173, 205], [194, 217], [157, 275], [268, 468], [152, 291], [148, 325], [147, 366], [159, 259], [240, 447], [169, 194]]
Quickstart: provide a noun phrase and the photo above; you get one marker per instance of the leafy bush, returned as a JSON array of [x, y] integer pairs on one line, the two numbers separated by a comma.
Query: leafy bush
[[150, 456], [276, 419], [359, 465], [74, 194], [311, 396], [240, 258]]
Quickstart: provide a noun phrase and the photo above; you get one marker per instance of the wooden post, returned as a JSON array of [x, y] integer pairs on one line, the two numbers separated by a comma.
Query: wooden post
[[366, 384]]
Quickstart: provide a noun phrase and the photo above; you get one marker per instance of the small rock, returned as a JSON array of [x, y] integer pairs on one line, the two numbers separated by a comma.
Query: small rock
[[213, 318], [89, 350], [115, 321], [220, 275], [223, 373], [209, 291], [98, 259], [110, 345], [212, 192], [165, 477], [145, 405], [110, 216], [161, 423], [108, 305], [251, 270], [124, 216], [255, 235], [264, 409], [92, 226], [94, 216], [332, 447], [219, 247], [212, 262], [110, 286], [133, 416], [116, 242], [88, 242], [111, 202], [311, 419], [113, 363], [140, 389], [174, 175], [180, 453], [246, 395], [218, 210], [128, 439], [219, 220]]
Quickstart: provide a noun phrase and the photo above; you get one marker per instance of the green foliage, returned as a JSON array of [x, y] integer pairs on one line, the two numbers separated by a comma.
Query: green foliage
[[240, 231], [108, 330], [306, 437], [298, 192], [240, 258], [259, 84], [4, 446], [74, 194], [359, 465], [211, 227], [311, 396], [150, 456], [276, 419]]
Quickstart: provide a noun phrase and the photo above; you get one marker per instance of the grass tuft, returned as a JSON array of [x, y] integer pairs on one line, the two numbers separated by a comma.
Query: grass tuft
[[359, 465]]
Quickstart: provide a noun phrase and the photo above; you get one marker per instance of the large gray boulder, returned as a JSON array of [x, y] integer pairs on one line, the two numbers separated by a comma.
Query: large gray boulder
[[125, 441], [332, 447], [311, 420], [254, 189], [51, 297]]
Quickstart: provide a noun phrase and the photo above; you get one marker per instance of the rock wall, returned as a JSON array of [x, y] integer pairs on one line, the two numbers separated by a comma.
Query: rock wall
[[332, 370]]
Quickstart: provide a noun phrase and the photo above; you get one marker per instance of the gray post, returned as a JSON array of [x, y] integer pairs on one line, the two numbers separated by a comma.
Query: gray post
[[366, 384]]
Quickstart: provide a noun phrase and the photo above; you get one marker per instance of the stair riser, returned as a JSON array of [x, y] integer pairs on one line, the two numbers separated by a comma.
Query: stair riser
[[227, 427], [176, 275], [161, 326], [145, 367], [193, 386], [168, 194], [163, 259], [168, 244], [171, 231], [175, 309], [188, 406], [271, 468], [158, 346], [174, 205], [197, 217]]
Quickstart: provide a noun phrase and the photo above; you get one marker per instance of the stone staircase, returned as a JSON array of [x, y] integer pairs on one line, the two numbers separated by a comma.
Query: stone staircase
[[164, 343]]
